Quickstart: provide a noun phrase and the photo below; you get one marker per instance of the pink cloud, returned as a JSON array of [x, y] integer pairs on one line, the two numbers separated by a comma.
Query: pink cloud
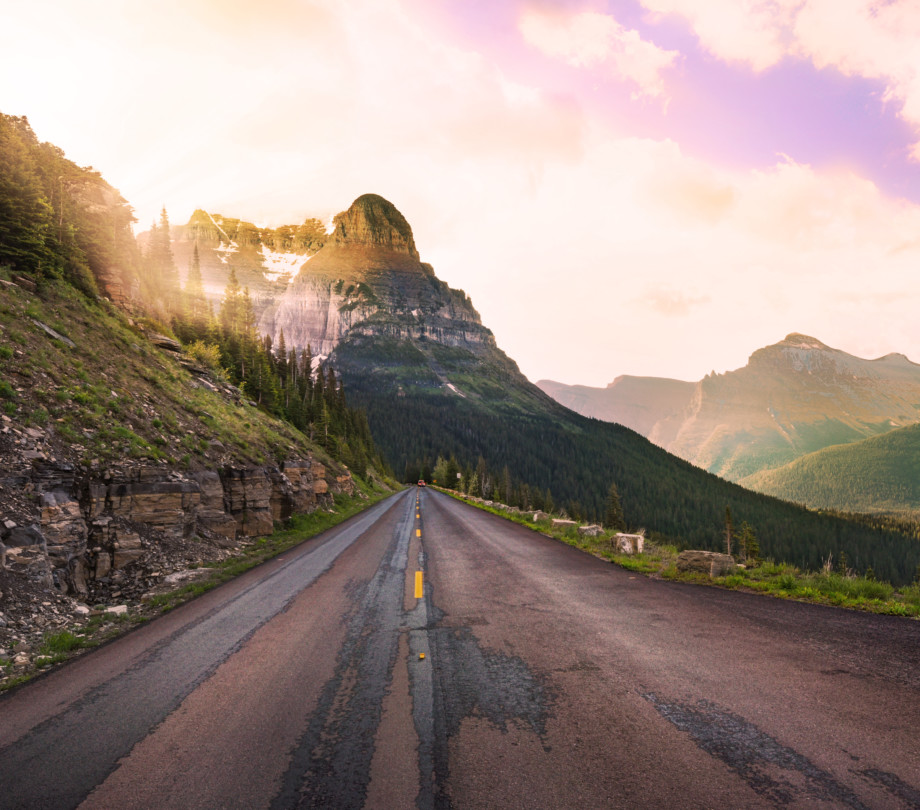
[[861, 38], [589, 39]]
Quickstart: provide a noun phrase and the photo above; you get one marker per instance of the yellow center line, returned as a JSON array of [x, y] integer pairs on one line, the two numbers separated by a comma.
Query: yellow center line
[[418, 532], [419, 590]]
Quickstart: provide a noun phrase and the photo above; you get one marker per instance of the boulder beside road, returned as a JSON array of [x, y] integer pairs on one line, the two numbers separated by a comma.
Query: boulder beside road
[[706, 562]]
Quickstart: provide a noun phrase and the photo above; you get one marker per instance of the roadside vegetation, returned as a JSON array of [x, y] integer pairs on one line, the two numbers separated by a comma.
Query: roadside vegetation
[[834, 584], [101, 625]]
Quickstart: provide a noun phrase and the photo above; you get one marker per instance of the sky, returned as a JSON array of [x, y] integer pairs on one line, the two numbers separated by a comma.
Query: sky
[[649, 187]]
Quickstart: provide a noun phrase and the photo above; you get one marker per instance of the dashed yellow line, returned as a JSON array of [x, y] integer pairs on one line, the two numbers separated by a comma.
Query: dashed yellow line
[[419, 589]]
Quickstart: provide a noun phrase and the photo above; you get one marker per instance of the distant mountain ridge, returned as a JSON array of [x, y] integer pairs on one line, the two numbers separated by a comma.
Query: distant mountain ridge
[[640, 403], [415, 355], [792, 398]]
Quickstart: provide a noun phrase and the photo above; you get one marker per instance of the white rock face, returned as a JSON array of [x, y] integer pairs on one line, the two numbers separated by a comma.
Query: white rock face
[[309, 313]]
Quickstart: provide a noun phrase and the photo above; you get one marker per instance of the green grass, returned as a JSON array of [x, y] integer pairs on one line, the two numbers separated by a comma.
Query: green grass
[[62, 642]]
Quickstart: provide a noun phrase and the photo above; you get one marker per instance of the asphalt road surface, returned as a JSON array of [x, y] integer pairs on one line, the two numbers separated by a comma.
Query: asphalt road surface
[[528, 675]]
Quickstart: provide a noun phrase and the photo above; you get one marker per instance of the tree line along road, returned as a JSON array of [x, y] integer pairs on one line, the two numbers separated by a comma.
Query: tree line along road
[[526, 675]]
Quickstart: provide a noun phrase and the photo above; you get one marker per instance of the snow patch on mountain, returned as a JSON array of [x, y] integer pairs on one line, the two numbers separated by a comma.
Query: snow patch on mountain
[[278, 264]]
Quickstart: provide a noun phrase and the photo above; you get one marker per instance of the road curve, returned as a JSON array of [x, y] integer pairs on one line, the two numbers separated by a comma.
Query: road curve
[[527, 675]]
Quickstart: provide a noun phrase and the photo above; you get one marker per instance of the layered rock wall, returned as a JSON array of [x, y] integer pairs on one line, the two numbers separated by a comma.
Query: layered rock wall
[[88, 524]]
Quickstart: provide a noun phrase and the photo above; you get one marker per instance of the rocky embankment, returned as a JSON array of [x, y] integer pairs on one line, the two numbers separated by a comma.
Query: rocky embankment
[[73, 538]]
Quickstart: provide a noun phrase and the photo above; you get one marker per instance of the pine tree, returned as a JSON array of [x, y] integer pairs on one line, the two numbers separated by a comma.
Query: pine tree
[[613, 511], [729, 530], [281, 360], [231, 306], [843, 564], [748, 547], [453, 470], [163, 265], [26, 218], [196, 310]]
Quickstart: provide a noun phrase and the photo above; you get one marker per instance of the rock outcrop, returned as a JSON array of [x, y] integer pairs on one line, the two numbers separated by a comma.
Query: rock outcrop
[[372, 221], [88, 524]]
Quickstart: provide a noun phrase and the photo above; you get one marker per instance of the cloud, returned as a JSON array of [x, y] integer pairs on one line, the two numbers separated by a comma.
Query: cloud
[[589, 39], [671, 302], [555, 224], [663, 264], [866, 38]]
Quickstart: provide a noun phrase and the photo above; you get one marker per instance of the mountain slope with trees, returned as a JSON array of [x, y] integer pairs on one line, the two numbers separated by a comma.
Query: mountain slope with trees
[[434, 386], [881, 474]]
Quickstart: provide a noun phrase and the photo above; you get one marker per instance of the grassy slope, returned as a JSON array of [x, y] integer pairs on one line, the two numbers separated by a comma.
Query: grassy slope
[[880, 474], [115, 396]]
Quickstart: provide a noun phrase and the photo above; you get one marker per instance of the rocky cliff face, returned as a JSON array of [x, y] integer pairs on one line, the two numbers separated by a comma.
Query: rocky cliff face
[[373, 222], [792, 398], [123, 463], [89, 532], [367, 280]]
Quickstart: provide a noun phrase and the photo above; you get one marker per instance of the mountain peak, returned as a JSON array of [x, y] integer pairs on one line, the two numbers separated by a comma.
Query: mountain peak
[[373, 221], [797, 340]]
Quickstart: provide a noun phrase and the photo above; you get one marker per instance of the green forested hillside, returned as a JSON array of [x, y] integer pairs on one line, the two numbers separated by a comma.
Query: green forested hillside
[[58, 219], [502, 418], [881, 474]]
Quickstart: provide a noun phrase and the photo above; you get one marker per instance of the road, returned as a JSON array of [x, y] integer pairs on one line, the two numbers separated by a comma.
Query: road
[[528, 675]]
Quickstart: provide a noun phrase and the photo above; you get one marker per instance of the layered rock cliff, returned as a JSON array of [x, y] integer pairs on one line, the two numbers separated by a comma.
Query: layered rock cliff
[[368, 280], [89, 528], [365, 278], [124, 462]]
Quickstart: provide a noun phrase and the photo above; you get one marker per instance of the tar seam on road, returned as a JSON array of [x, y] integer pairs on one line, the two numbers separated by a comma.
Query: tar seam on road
[[778, 773], [330, 764], [464, 680], [421, 687]]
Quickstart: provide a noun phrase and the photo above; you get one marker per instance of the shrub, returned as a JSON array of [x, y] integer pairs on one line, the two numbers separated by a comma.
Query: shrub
[[60, 643], [207, 355]]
